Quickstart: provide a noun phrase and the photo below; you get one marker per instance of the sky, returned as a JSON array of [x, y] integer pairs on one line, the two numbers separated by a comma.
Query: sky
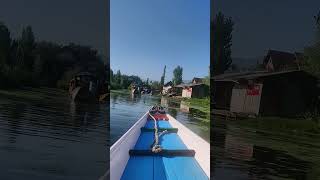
[[285, 25], [146, 35], [84, 22]]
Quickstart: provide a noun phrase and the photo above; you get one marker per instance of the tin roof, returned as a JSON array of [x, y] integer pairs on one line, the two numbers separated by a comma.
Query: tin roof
[[189, 85], [250, 75]]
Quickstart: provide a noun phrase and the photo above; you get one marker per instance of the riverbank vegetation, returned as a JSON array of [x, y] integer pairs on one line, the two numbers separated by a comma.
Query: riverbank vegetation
[[201, 104], [27, 62], [122, 81], [312, 52], [277, 124], [34, 94], [289, 139]]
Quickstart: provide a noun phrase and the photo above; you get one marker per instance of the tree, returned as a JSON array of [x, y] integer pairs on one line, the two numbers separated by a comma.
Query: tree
[[163, 76], [27, 43], [111, 75], [155, 85], [177, 75], [312, 53], [118, 77], [5, 42], [25, 62], [220, 44], [207, 78]]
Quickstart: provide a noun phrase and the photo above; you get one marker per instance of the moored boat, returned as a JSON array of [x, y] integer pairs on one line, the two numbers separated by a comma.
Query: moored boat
[[159, 147], [83, 87]]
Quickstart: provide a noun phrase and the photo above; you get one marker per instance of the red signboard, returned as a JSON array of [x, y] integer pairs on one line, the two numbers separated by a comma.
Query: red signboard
[[253, 91]]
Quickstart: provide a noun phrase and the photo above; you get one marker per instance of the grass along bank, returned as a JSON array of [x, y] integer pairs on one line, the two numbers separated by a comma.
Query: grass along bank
[[277, 124], [296, 137], [202, 104]]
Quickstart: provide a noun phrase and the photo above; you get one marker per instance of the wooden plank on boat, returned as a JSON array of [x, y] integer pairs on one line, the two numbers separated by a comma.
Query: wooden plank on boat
[[164, 152], [171, 130]]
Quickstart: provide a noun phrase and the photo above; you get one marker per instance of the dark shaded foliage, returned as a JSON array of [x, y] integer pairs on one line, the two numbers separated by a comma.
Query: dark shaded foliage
[[177, 75], [121, 81], [25, 62], [220, 43]]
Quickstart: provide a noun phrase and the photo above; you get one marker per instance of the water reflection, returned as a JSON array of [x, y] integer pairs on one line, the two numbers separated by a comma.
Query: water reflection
[[184, 107], [52, 139], [164, 102], [236, 158]]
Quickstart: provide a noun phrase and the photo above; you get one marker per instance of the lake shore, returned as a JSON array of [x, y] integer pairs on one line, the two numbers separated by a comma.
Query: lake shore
[[278, 124], [120, 91], [202, 105], [34, 93]]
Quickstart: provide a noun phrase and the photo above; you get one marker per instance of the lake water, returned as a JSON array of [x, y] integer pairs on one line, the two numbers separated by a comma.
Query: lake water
[[50, 138], [126, 109], [243, 153]]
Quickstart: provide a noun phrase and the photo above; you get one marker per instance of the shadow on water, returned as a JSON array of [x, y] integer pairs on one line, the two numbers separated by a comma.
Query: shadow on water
[[52, 139], [235, 158]]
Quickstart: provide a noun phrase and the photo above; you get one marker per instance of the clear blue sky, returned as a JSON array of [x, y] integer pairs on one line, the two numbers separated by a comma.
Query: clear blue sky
[[146, 35]]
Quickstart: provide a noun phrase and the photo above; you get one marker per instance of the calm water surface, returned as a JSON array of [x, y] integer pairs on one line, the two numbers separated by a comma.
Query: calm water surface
[[243, 153], [125, 110], [51, 138]]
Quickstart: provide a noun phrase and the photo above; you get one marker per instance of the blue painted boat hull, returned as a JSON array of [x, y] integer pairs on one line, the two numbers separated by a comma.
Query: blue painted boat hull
[[161, 167]]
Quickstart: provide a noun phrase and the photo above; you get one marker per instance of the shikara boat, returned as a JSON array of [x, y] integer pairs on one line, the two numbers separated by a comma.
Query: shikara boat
[[82, 87], [167, 151], [85, 87]]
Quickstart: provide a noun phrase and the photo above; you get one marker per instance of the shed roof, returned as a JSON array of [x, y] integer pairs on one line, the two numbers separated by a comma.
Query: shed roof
[[168, 84], [189, 85], [281, 58], [252, 75], [197, 80]]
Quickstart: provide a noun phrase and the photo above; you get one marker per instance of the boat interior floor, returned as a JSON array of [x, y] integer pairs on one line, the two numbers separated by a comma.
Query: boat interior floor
[[174, 166]]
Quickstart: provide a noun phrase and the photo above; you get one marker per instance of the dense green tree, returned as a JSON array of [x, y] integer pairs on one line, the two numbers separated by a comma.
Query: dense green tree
[[207, 78], [163, 76], [25, 62], [5, 42], [111, 75], [30, 63], [118, 77], [177, 75], [27, 43], [155, 85], [312, 53], [122, 81], [220, 43]]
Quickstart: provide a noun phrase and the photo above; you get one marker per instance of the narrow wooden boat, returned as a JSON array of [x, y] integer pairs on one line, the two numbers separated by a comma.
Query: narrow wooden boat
[[82, 88], [184, 154]]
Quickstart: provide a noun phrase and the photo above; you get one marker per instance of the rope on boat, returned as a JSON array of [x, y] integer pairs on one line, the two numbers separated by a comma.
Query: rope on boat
[[155, 145]]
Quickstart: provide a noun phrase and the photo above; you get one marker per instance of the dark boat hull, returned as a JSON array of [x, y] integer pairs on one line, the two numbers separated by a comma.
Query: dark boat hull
[[80, 94]]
